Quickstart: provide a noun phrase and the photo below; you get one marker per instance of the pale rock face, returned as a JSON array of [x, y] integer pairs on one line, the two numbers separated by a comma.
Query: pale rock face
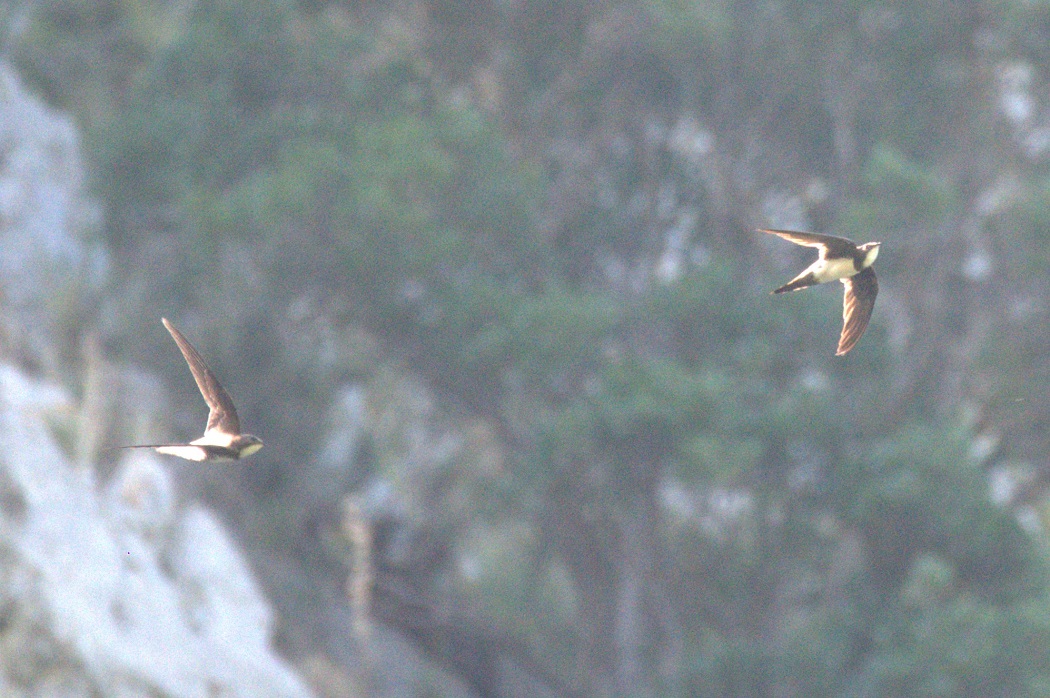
[[217, 587], [118, 592], [141, 495], [43, 205]]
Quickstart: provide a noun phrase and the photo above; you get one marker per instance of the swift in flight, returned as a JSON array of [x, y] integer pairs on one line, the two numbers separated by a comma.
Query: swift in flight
[[840, 260], [222, 440]]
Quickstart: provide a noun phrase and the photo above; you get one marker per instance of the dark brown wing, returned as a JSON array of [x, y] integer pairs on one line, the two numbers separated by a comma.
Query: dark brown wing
[[857, 304], [223, 415], [835, 246]]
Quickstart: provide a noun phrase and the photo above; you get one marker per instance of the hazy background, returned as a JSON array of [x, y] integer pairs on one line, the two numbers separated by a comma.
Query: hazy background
[[484, 277]]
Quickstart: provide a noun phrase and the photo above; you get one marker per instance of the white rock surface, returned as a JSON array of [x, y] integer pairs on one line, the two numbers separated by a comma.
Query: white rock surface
[[117, 592], [43, 205]]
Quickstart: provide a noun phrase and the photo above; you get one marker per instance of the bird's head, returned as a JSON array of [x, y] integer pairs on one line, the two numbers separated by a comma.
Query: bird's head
[[871, 251], [246, 445]]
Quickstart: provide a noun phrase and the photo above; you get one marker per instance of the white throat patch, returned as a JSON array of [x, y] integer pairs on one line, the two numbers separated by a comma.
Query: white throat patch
[[869, 257]]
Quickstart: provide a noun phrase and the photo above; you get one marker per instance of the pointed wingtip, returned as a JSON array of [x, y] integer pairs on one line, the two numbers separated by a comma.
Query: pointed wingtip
[[846, 344]]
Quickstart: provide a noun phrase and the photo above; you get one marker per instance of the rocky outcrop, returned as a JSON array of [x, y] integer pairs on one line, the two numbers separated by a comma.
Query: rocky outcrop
[[117, 591], [50, 268]]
